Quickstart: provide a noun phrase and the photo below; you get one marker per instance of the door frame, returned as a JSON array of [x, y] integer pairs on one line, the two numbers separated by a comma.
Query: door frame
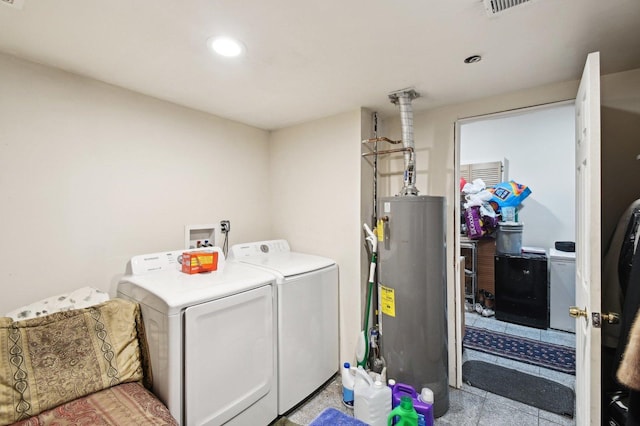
[[456, 315]]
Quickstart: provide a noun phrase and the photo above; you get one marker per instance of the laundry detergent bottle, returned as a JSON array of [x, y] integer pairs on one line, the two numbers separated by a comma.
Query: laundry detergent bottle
[[404, 414], [348, 381], [423, 403]]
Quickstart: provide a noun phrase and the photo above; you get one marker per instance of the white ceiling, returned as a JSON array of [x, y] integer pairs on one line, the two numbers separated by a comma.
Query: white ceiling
[[311, 59]]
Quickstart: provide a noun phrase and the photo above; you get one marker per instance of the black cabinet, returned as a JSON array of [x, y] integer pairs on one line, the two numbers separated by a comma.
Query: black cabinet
[[522, 289]]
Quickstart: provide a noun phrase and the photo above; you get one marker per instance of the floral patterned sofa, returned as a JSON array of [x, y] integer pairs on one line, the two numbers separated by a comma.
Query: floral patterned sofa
[[78, 367]]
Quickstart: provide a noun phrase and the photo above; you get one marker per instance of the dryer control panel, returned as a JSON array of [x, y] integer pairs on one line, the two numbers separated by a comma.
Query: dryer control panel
[[259, 248]]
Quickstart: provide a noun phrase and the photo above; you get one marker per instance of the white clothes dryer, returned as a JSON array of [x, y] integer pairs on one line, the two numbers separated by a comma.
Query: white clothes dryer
[[211, 336], [307, 293]]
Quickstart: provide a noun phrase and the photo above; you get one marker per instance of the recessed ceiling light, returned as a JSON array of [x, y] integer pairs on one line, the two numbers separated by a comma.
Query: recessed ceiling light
[[225, 46], [473, 59]]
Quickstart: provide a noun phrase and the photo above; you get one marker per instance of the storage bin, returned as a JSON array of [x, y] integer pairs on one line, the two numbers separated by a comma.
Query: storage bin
[[509, 238]]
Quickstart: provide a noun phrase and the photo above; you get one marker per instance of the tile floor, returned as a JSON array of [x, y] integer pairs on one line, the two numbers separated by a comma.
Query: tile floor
[[469, 405]]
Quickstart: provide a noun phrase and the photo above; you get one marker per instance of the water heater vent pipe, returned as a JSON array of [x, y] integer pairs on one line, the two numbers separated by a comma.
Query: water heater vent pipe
[[403, 98]]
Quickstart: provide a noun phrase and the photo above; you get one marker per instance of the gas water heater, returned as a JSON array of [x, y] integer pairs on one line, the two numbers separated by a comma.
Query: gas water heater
[[412, 293]]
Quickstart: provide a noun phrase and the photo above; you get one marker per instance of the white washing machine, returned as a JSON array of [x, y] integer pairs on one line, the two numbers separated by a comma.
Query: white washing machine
[[307, 292], [562, 292], [212, 338]]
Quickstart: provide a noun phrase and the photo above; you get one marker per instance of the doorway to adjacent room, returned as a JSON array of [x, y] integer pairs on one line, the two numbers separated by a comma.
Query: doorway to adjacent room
[[534, 147]]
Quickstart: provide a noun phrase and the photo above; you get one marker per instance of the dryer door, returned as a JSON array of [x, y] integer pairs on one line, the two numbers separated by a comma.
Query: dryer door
[[229, 357]]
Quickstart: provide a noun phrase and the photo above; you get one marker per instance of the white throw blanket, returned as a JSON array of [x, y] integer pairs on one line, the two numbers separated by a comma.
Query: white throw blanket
[[77, 299]]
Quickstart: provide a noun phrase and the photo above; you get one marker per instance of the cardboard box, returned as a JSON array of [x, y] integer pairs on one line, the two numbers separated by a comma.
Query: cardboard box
[[199, 261]]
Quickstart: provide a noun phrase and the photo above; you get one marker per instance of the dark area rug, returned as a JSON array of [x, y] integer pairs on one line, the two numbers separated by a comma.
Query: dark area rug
[[555, 357], [535, 391]]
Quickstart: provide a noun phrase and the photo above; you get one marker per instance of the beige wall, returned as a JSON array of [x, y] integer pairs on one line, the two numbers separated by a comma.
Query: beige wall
[[315, 174], [91, 175]]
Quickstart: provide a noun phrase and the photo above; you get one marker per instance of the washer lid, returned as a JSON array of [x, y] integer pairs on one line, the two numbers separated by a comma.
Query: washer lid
[[561, 255], [171, 290], [289, 263], [276, 255]]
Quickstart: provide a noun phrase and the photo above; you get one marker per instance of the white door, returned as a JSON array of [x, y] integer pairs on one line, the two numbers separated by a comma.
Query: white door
[[588, 243]]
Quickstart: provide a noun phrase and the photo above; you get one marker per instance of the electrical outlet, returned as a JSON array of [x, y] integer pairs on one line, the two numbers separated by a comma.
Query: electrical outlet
[[225, 226]]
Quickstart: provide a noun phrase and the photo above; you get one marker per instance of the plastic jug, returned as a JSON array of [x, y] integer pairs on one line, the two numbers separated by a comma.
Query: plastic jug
[[362, 383], [422, 404], [372, 400], [348, 381], [404, 414]]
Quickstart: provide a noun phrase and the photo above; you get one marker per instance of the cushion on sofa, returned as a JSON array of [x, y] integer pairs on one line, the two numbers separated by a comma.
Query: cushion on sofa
[[125, 404], [50, 360]]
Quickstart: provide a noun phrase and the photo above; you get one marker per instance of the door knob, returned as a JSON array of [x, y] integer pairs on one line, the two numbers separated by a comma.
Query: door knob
[[576, 312], [596, 317]]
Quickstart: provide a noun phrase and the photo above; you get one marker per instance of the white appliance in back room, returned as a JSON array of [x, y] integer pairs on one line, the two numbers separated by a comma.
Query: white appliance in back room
[[307, 292], [562, 292], [211, 336]]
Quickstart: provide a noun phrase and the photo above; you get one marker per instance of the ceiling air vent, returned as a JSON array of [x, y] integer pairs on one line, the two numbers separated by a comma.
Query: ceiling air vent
[[497, 6], [17, 4]]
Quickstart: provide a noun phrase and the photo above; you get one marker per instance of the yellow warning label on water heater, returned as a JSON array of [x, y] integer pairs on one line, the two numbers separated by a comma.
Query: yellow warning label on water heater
[[387, 300], [380, 230]]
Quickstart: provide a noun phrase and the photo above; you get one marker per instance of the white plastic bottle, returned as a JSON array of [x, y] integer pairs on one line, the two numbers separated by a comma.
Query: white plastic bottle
[[372, 403], [348, 381]]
